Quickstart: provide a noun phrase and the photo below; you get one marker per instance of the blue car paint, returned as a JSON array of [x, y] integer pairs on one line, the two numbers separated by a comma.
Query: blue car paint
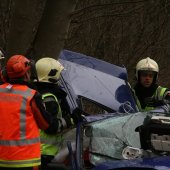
[[79, 66], [157, 163], [96, 80], [154, 163], [94, 63]]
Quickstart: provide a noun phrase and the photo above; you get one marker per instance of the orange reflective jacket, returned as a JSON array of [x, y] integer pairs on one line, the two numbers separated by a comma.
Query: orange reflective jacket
[[19, 133]]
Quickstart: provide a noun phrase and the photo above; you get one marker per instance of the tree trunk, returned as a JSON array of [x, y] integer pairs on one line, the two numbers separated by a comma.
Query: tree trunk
[[53, 29], [23, 24], [34, 28]]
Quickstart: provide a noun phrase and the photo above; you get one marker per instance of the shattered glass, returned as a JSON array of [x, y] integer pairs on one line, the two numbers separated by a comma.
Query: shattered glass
[[107, 138]]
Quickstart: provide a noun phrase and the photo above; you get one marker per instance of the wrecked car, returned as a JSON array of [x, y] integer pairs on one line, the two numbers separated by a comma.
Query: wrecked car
[[113, 133]]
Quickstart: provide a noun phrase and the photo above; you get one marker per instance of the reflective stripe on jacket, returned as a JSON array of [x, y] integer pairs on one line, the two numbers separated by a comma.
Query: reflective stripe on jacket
[[158, 96], [19, 133], [50, 144]]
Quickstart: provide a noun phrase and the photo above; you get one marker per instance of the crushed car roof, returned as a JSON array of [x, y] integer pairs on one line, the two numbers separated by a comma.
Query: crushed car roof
[[97, 80]]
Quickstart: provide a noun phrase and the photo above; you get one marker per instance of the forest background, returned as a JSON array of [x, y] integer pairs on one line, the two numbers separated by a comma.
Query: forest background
[[117, 31]]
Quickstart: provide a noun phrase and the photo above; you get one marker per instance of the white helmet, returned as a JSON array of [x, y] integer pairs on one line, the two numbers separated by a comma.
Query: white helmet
[[48, 69], [146, 64]]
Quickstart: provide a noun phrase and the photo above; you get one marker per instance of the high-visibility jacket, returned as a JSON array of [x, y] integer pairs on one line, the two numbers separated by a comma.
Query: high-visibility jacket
[[50, 144], [158, 96], [19, 133]]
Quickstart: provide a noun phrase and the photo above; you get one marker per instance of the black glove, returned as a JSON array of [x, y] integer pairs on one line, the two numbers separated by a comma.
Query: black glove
[[66, 122], [167, 96], [77, 115], [152, 102]]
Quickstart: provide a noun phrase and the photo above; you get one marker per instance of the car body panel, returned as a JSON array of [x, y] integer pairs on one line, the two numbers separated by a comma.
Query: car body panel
[[96, 80], [94, 63], [157, 163], [107, 85], [106, 143]]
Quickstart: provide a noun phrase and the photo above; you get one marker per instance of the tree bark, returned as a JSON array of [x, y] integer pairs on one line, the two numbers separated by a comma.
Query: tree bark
[[121, 31], [35, 28], [23, 24], [53, 29]]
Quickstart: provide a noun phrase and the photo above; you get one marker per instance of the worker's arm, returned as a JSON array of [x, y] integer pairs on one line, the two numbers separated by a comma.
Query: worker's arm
[[52, 106], [45, 120]]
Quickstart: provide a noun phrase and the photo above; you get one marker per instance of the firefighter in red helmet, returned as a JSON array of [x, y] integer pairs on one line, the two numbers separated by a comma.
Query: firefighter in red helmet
[[18, 66], [22, 114]]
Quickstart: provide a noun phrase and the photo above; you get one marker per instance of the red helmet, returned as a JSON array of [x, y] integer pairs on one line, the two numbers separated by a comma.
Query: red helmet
[[17, 66]]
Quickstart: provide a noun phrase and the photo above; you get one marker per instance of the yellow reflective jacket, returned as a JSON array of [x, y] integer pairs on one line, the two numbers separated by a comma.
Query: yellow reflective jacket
[[50, 144], [158, 95]]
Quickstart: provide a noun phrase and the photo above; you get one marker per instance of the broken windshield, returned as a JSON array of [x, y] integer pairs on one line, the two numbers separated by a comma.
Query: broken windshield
[[106, 139]]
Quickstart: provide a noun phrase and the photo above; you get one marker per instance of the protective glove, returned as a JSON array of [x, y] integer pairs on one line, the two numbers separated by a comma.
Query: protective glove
[[77, 115], [152, 102], [66, 121], [167, 95], [149, 101]]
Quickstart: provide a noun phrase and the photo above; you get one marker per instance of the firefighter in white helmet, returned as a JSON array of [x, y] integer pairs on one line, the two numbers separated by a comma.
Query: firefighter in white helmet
[[148, 93], [48, 73], [48, 70]]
